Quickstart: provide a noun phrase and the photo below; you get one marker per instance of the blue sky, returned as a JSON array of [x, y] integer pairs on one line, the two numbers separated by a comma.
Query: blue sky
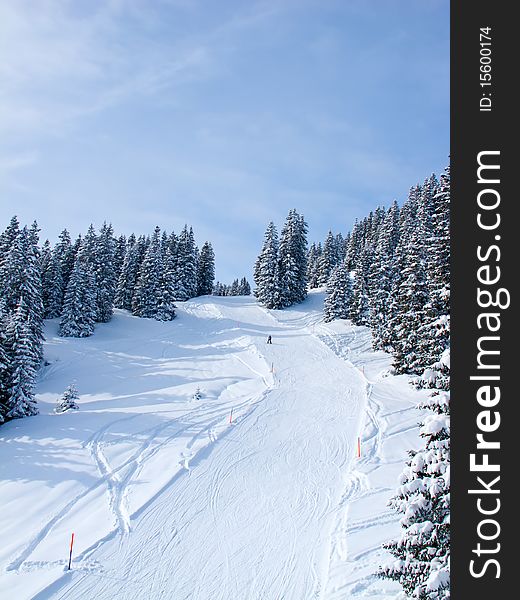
[[223, 115]]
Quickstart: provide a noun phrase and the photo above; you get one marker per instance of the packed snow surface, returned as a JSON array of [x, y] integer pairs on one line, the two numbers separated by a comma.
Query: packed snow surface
[[252, 491]]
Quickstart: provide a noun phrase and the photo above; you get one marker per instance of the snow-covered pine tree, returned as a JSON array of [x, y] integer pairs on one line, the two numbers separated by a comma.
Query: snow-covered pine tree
[[45, 255], [292, 260], [235, 288], [128, 276], [147, 292], [409, 290], [360, 303], [187, 263], [402, 284], [7, 237], [328, 259], [23, 364], [422, 553], [167, 286], [313, 261], [13, 265], [52, 285], [266, 273], [21, 317], [31, 291], [104, 272], [352, 246], [65, 253], [178, 290], [79, 306], [206, 270], [22, 279], [244, 289], [340, 248], [119, 255], [4, 364], [68, 400], [339, 294], [381, 276], [436, 331]]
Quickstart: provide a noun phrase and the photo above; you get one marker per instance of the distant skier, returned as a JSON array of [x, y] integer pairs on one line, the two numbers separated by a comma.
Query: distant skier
[[269, 341]]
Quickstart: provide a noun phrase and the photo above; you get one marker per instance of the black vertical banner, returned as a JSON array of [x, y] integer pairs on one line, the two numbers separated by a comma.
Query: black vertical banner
[[484, 397]]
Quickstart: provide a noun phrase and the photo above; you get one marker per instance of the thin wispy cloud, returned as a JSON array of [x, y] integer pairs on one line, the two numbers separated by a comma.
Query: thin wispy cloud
[[224, 115]]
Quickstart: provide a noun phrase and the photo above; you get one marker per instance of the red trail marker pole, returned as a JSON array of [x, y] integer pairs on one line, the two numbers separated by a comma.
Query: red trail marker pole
[[231, 416], [70, 553], [358, 455]]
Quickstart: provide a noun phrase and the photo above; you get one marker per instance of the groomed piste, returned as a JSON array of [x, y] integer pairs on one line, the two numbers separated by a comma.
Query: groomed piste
[[206, 464]]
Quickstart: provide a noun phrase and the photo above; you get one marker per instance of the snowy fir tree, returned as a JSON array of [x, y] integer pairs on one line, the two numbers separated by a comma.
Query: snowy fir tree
[[381, 277], [68, 400], [360, 303], [280, 271], [206, 270], [410, 299], [292, 260], [4, 364], [244, 289], [266, 272], [129, 272], [24, 363], [79, 307], [187, 263], [119, 255], [339, 294], [313, 263], [52, 285], [21, 316], [422, 552], [147, 297], [66, 254], [329, 258], [235, 287], [167, 287], [105, 273], [436, 330], [217, 289]]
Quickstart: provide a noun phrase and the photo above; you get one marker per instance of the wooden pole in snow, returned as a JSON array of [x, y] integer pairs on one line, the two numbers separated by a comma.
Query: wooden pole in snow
[[70, 553]]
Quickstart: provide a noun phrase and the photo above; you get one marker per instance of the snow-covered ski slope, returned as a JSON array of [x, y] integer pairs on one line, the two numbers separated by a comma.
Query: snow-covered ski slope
[[251, 492]]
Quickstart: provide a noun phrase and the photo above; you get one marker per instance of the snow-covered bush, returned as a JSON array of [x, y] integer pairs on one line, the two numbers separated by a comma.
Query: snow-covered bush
[[68, 400], [422, 553]]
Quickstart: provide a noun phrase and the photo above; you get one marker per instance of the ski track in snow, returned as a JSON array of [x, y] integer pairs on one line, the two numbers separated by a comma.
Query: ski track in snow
[[269, 506]]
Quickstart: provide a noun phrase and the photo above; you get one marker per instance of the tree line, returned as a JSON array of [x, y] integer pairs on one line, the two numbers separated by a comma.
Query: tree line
[[280, 271], [80, 283], [237, 288], [391, 273]]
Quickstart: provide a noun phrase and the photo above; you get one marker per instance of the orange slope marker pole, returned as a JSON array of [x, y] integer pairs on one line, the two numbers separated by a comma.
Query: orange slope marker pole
[[231, 416], [358, 454], [70, 552]]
